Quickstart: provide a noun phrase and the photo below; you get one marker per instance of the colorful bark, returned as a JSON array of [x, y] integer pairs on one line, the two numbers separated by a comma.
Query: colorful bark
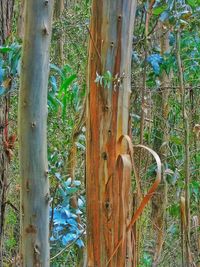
[[107, 119]]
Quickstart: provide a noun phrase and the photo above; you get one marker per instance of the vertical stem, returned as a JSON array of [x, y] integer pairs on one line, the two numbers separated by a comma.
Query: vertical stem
[[6, 13], [142, 122], [20, 21], [59, 50], [187, 147]]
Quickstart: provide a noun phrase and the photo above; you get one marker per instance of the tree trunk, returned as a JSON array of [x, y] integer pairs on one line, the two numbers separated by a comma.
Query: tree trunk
[[108, 192], [186, 127], [159, 200], [32, 134], [59, 50], [6, 11], [3, 171], [20, 21]]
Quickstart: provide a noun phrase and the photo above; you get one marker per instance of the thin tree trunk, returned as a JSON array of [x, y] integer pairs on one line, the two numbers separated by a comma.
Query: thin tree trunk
[[108, 192], [3, 172], [20, 22], [32, 134], [187, 149], [58, 10], [6, 12], [159, 201]]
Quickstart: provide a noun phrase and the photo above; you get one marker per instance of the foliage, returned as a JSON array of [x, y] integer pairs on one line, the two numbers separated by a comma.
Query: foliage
[[65, 227], [60, 96], [155, 60], [67, 222], [9, 67], [146, 260], [183, 17], [104, 80]]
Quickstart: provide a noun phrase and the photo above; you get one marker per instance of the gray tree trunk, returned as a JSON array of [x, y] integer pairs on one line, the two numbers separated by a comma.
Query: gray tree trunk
[[32, 134]]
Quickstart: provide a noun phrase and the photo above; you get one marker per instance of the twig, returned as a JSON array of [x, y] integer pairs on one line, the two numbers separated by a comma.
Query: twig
[[67, 246], [93, 42], [11, 205]]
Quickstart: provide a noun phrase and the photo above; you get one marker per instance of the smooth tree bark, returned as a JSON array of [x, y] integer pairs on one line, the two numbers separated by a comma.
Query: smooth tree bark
[[108, 165], [33, 135], [6, 12]]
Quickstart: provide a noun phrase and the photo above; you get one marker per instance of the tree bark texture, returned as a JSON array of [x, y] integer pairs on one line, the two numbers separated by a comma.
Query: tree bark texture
[[20, 21], [32, 134], [6, 12], [108, 166], [59, 50]]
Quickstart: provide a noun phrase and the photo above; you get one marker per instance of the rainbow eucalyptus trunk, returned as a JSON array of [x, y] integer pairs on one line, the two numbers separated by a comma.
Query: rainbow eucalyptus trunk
[[108, 166], [32, 134]]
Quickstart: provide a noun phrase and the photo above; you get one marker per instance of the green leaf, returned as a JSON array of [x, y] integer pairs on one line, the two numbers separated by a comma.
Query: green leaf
[[66, 69], [57, 69], [64, 110], [158, 10], [5, 49], [98, 79], [76, 182], [193, 3], [53, 83], [164, 16], [54, 102], [176, 140], [174, 210], [195, 186], [71, 190], [15, 59], [66, 83]]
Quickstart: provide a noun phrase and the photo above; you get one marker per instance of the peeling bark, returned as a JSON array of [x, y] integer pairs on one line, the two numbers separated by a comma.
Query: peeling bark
[[108, 212]]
